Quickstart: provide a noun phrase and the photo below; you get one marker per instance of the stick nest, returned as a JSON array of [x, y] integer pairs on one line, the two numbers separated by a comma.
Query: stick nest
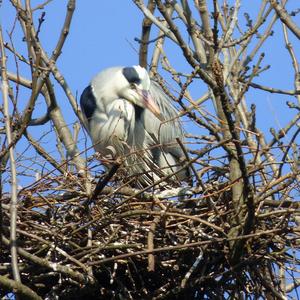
[[129, 244]]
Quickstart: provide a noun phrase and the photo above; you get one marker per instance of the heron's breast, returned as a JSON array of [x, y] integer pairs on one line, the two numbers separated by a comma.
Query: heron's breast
[[114, 127], [121, 118]]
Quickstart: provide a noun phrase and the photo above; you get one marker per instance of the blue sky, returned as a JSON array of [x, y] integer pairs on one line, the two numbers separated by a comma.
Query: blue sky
[[102, 34]]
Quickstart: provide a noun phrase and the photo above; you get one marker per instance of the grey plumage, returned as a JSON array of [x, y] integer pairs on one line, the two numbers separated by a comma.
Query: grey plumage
[[123, 112]]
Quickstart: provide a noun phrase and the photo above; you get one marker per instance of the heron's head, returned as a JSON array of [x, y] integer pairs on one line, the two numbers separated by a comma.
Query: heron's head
[[137, 89]]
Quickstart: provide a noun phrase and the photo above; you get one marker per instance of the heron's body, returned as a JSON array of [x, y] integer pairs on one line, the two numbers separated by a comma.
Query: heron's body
[[119, 123]]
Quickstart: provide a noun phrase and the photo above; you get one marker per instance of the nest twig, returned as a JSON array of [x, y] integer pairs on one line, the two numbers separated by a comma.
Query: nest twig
[[145, 246]]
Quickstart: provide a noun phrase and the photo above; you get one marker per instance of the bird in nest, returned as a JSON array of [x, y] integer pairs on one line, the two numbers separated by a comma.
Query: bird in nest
[[129, 116]]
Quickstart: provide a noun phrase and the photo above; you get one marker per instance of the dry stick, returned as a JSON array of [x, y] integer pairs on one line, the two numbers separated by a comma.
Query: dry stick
[[150, 244], [37, 84], [248, 58], [140, 192], [103, 182], [51, 245], [26, 116], [294, 61], [231, 25], [14, 200], [63, 131], [41, 151], [236, 55], [270, 89], [191, 165], [259, 21], [269, 286], [246, 191], [281, 133], [279, 188], [159, 24], [146, 28], [86, 255], [188, 245], [19, 80], [158, 49], [245, 88], [65, 31], [286, 151], [188, 110], [215, 30], [174, 34], [172, 214], [285, 18], [286, 212], [192, 269], [65, 134], [210, 201], [19, 288], [185, 14], [56, 267], [41, 6], [201, 5], [159, 181], [230, 67], [64, 163], [187, 52], [292, 286], [41, 20], [175, 31]]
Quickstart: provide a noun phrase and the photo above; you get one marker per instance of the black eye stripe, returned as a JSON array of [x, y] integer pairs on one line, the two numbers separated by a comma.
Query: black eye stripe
[[131, 75]]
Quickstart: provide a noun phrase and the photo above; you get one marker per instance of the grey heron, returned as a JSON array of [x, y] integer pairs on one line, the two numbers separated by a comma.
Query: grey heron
[[128, 114]]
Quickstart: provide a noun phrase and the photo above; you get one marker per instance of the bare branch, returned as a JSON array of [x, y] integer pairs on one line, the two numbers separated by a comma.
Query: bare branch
[[19, 288], [14, 197], [285, 18]]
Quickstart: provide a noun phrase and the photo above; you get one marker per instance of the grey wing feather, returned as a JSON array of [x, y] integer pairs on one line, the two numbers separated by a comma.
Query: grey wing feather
[[169, 130]]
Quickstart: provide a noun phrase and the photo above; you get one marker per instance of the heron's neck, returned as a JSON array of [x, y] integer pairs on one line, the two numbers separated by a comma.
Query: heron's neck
[[138, 112]]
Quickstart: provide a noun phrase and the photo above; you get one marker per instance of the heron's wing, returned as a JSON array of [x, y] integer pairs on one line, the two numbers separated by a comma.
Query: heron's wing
[[165, 132], [160, 137], [88, 105]]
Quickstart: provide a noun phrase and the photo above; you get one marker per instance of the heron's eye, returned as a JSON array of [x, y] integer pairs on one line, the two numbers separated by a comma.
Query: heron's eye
[[132, 86]]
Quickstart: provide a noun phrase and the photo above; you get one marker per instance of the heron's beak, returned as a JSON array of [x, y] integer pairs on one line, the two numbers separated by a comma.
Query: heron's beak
[[150, 104]]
